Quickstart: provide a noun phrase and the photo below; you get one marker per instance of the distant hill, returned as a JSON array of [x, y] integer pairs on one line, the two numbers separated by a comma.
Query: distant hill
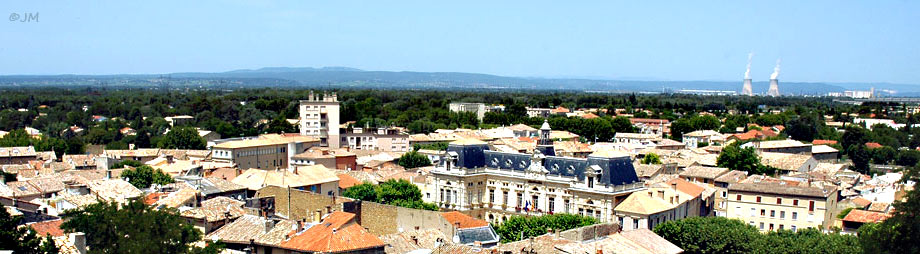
[[345, 77]]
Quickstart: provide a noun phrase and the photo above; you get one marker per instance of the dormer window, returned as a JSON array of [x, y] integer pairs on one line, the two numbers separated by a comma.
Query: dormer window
[[495, 162], [508, 163]]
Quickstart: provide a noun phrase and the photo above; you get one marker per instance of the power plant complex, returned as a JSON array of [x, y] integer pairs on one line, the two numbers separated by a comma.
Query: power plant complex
[[747, 87]]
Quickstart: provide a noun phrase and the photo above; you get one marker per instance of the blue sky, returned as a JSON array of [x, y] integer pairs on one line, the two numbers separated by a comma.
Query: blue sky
[[828, 41]]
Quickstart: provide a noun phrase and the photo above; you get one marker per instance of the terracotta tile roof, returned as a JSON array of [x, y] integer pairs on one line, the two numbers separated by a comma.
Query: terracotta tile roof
[[21, 188], [733, 176], [879, 207], [780, 187], [589, 116], [154, 197], [178, 198], [863, 216], [346, 181], [254, 227], [862, 202], [224, 173], [48, 184], [216, 209], [255, 179], [465, 220], [687, 187], [871, 145], [81, 200], [561, 109], [703, 172], [823, 142], [336, 233], [113, 190], [51, 227], [648, 121]]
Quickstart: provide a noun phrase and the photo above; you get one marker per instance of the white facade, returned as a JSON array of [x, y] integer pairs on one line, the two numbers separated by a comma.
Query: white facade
[[477, 108], [319, 117]]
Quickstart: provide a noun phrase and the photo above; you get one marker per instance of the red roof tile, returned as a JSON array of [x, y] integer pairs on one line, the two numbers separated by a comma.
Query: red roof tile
[[154, 197], [336, 233], [51, 227], [872, 145], [465, 220], [865, 216], [346, 181], [589, 116], [687, 187], [823, 142]]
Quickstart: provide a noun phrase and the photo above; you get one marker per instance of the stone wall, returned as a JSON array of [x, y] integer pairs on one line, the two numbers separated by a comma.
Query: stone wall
[[305, 203], [590, 232]]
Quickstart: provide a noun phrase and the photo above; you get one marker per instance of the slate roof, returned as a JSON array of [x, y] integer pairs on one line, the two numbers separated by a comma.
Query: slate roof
[[484, 235]]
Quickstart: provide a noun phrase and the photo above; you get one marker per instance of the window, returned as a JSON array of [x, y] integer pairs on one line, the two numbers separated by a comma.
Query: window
[[724, 194], [567, 205], [738, 198], [504, 197], [581, 211], [520, 200], [795, 215], [779, 201], [761, 226], [758, 199], [782, 214], [763, 212], [771, 226], [811, 206], [536, 202], [780, 226], [795, 202], [552, 204], [772, 213], [491, 196], [590, 182], [793, 228]]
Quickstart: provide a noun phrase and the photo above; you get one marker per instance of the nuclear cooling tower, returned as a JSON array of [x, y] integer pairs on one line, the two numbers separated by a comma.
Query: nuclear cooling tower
[[774, 88], [747, 90]]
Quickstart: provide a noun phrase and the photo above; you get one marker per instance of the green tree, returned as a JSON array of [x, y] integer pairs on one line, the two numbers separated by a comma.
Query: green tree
[[144, 176], [182, 138], [651, 158], [511, 229], [392, 192], [22, 239], [365, 191], [805, 128], [134, 227], [883, 155], [743, 159], [860, 156], [709, 235], [413, 159], [908, 158], [854, 135]]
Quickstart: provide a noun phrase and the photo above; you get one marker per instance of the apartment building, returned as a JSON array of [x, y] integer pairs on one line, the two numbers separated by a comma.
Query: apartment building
[[721, 196], [319, 117], [268, 151], [495, 185], [383, 139], [776, 204]]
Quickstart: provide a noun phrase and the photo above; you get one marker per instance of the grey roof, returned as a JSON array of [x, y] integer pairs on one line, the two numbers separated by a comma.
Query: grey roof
[[482, 234], [781, 188], [703, 172], [733, 176]]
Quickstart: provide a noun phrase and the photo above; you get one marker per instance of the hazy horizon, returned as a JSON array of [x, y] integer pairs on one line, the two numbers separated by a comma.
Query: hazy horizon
[[821, 41]]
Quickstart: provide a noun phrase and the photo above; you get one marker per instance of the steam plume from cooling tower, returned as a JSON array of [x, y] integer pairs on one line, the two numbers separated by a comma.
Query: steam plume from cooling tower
[[747, 74], [775, 70]]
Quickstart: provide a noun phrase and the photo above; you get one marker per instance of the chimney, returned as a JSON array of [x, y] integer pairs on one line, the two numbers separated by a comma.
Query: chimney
[[79, 241], [477, 244], [415, 240], [674, 185], [328, 209], [299, 226], [108, 174], [661, 194], [317, 216], [269, 224], [169, 159]]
